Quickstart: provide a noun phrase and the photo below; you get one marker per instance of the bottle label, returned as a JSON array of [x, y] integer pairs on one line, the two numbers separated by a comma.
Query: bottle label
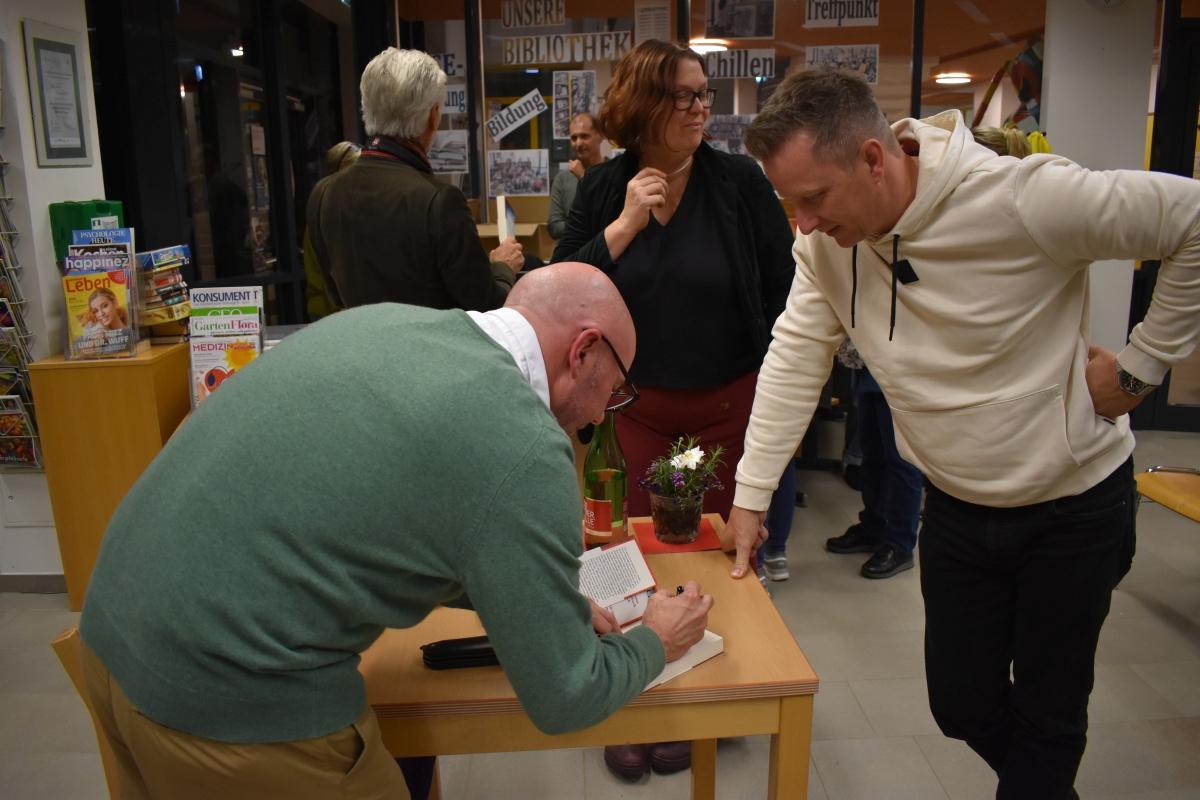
[[597, 517]]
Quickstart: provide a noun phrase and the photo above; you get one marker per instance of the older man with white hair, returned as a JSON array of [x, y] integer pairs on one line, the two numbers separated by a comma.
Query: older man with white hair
[[385, 229]]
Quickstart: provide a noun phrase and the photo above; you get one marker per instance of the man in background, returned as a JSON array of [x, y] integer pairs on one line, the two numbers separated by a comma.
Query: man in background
[[585, 141], [385, 229]]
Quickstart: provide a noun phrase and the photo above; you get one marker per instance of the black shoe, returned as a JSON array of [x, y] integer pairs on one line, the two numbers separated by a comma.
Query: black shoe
[[886, 562], [854, 540]]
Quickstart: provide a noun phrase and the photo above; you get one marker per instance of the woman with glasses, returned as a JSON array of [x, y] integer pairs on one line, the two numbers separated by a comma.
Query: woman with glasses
[[699, 247]]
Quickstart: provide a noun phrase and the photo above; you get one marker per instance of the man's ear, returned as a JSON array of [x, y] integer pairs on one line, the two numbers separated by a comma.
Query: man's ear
[[583, 346], [871, 152]]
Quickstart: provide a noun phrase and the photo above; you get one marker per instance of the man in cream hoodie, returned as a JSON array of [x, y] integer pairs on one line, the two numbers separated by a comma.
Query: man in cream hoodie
[[962, 277]]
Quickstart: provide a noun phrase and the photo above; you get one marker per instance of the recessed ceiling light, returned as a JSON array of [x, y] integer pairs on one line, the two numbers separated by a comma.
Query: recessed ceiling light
[[704, 46], [952, 78], [236, 52]]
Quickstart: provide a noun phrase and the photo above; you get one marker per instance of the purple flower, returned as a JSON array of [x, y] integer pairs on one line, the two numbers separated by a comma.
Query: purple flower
[[677, 479]]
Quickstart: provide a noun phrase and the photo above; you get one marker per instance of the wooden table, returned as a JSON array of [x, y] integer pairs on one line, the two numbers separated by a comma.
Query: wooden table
[[102, 422], [761, 684]]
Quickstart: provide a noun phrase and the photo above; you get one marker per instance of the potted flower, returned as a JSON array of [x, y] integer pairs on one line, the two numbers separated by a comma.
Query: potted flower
[[677, 483]]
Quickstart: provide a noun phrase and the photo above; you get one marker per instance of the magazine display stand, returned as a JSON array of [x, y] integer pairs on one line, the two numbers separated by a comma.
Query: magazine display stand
[[92, 459], [19, 445]]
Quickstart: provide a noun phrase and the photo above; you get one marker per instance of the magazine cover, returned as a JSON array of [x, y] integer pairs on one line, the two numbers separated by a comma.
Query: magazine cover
[[16, 433], [13, 354], [99, 322], [227, 310], [215, 360]]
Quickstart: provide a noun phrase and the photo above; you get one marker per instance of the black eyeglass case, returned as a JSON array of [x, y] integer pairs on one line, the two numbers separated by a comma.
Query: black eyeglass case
[[473, 651]]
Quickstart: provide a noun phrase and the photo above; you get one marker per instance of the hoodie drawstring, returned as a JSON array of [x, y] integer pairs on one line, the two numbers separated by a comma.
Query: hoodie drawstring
[[895, 256], [854, 285]]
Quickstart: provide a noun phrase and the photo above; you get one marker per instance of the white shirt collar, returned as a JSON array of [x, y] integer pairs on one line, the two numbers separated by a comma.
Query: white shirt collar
[[510, 330]]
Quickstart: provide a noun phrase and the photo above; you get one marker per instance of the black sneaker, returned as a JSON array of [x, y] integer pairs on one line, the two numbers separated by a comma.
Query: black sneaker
[[886, 562], [856, 539]]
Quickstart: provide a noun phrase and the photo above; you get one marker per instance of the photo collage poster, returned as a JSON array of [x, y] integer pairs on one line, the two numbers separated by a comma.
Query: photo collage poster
[[860, 58], [740, 19], [574, 93], [518, 172], [728, 132]]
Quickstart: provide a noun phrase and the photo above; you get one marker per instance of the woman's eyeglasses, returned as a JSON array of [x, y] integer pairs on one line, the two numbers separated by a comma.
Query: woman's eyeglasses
[[685, 97]]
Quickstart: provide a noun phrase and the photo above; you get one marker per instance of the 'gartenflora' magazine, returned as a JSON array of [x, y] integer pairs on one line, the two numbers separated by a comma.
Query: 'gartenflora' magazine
[[99, 324]]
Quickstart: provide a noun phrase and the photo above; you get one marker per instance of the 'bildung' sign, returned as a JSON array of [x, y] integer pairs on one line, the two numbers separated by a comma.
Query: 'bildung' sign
[[514, 116]]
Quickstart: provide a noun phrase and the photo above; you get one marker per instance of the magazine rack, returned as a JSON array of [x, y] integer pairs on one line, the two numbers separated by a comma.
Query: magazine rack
[[19, 444]]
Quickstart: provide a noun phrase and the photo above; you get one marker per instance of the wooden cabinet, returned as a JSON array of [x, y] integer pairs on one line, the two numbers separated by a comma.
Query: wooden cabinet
[[102, 422]]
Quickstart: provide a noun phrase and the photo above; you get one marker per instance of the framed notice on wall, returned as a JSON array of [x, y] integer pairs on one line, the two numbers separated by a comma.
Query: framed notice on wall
[[54, 58]]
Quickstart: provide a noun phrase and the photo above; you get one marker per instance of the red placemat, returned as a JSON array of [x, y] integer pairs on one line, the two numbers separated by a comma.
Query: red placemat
[[705, 540]]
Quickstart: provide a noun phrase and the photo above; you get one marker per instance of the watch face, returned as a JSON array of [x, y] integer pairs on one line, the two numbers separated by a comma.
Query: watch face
[[1131, 384]]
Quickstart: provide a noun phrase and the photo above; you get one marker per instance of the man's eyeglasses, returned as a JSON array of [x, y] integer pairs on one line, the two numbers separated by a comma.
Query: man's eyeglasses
[[626, 393], [685, 97]]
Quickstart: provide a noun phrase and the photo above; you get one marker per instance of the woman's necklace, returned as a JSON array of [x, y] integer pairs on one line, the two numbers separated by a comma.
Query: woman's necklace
[[685, 165]]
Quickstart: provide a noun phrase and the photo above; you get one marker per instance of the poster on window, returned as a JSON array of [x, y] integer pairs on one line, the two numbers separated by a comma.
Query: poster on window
[[860, 58], [448, 153], [574, 93], [740, 19], [728, 131], [518, 172]]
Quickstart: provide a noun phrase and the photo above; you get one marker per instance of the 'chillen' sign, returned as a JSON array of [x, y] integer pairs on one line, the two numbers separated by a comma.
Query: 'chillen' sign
[[516, 115]]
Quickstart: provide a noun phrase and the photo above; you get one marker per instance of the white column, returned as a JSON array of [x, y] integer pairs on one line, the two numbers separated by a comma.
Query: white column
[[1094, 99]]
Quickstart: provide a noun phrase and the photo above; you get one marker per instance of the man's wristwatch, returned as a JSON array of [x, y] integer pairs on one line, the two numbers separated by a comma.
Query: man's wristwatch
[[1133, 385]]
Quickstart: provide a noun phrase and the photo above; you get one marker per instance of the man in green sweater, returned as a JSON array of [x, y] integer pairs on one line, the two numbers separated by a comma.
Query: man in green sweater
[[371, 467]]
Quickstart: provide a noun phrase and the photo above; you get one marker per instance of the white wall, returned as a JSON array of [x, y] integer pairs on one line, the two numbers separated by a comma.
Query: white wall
[[1097, 64], [1003, 103], [27, 542]]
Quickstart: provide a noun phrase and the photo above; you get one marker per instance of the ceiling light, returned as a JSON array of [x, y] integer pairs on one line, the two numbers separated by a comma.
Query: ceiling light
[[952, 78], [704, 46], [236, 52]]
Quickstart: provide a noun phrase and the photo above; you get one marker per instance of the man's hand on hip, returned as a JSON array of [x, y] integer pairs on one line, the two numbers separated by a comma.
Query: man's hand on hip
[[749, 533], [1108, 398], [680, 620]]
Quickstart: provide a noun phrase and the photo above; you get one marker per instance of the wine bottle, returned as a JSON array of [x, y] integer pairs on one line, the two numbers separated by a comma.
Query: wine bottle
[[604, 487]]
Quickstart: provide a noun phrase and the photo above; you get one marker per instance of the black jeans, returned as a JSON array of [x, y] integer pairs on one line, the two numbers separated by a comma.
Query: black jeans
[[1026, 588]]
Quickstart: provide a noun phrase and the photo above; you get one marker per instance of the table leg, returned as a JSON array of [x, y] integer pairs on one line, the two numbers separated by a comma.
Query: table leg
[[704, 769], [791, 749]]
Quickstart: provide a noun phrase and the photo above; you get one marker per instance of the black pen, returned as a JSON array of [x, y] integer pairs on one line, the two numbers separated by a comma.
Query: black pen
[[678, 590]]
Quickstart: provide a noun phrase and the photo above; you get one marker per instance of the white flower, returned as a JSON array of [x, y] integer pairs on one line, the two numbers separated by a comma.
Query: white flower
[[689, 458], [677, 461]]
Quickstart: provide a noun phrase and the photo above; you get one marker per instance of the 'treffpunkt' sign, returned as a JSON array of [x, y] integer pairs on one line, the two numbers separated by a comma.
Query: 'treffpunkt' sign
[[840, 13], [516, 115]]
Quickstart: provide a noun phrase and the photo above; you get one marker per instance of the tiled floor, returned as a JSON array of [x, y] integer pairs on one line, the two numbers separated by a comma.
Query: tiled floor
[[873, 736]]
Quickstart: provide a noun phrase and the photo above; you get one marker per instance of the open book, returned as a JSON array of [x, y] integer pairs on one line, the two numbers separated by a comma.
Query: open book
[[618, 578]]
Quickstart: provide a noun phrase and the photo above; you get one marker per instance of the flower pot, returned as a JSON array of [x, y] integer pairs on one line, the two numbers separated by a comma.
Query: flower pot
[[676, 519]]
